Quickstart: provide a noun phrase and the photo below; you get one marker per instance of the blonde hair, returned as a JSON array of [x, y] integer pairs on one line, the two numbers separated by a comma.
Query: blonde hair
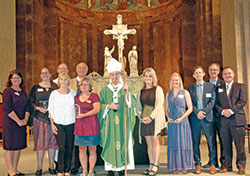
[[88, 81], [180, 80], [63, 75], [152, 73]]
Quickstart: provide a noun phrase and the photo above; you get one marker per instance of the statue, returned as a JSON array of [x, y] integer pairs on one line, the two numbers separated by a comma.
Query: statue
[[120, 32], [133, 60], [107, 57]]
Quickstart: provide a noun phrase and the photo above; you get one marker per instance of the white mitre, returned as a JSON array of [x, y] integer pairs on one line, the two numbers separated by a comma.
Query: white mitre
[[114, 66]]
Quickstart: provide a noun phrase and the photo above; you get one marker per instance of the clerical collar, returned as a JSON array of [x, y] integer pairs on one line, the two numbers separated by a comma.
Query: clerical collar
[[115, 86]]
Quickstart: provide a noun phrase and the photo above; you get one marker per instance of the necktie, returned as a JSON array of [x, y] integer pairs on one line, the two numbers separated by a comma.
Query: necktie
[[199, 97], [228, 87]]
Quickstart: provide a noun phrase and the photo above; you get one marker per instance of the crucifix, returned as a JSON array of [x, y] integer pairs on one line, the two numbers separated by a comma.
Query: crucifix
[[120, 32]]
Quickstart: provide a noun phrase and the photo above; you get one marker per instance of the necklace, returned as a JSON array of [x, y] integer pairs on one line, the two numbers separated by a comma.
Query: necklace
[[83, 97]]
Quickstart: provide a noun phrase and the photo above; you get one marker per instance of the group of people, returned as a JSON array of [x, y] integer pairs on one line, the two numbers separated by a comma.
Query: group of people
[[69, 119]]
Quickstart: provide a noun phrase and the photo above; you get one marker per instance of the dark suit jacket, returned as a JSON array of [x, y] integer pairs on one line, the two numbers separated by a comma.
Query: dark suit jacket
[[236, 101], [217, 117], [208, 100]]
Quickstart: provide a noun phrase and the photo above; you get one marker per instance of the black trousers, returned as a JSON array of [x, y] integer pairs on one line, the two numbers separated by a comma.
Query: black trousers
[[65, 142], [75, 158]]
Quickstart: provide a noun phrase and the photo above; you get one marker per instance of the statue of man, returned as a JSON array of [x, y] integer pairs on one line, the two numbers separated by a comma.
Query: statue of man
[[107, 57], [120, 32], [133, 60]]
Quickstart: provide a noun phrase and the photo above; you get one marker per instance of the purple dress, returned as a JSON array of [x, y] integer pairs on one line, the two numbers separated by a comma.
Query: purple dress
[[180, 148], [14, 136]]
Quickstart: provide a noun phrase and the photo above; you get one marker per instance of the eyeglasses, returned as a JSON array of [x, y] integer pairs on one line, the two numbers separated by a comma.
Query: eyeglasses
[[83, 84], [213, 69], [16, 78], [45, 73]]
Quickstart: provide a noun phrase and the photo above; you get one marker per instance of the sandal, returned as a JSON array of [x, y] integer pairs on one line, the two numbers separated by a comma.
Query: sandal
[[84, 173], [148, 170], [91, 173], [152, 171]]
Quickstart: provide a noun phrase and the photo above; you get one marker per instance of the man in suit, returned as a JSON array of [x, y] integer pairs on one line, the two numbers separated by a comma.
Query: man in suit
[[214, 71], [62, 68], [203, 99], [81, 70], [230, 102]]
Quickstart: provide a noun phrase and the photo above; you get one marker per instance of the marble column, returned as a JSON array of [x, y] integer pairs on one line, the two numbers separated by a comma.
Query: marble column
[[7, 40], [235, 15]]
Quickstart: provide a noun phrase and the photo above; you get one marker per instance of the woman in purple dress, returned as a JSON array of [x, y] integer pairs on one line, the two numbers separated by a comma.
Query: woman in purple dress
[[87, 131], [14, 121], [178, 107]]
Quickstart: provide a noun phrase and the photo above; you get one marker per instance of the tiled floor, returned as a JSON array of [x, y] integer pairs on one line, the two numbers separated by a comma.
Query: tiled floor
[[27, 163]]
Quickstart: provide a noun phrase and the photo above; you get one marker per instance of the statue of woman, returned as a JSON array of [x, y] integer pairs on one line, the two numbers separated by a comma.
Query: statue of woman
[[133, 59]]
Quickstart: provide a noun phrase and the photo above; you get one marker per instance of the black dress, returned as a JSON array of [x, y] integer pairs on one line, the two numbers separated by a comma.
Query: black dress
[[148, 98]]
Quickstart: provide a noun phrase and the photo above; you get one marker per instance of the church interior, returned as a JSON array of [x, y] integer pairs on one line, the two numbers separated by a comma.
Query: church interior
[[171, 36]]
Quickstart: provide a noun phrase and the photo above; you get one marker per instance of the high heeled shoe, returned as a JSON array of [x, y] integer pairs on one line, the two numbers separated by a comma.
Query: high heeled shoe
[[154, 171], [148, 170]]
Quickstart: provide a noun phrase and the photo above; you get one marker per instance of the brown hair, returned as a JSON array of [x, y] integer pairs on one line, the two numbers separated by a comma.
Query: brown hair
[[88, 81], [9, 83]]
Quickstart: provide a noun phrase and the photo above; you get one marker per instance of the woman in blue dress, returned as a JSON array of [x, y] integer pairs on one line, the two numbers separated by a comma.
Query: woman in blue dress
[[178, 107]]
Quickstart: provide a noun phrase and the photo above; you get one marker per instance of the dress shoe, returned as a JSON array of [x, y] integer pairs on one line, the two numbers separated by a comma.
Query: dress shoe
[[241, 171], [39, 172], [206, 165], [74, 171], [197, 169], [52, 171], [213, 170], [121, 173], [223, 170], [111, 173]]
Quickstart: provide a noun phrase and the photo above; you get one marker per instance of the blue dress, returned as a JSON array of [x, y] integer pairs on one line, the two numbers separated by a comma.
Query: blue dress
[[180, 147]]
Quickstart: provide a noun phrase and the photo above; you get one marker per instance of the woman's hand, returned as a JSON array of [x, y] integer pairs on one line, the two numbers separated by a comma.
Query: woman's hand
[[170, 120], [79, 116], [146, 120], [42, 110], [178, 120], [20, 122], [54, 129]]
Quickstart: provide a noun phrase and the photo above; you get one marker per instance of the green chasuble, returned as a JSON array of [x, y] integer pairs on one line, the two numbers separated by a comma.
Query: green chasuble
[[112, 127]]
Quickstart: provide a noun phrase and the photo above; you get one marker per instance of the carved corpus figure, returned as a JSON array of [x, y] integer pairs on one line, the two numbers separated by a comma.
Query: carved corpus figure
[[133, 60], [107, 57], [120, 32]]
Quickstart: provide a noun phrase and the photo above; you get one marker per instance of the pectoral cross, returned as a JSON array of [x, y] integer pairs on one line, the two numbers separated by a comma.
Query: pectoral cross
[[120, 32]]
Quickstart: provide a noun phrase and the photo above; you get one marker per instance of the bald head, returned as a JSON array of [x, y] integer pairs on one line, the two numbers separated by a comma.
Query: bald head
[[62, 68], [81, 69]]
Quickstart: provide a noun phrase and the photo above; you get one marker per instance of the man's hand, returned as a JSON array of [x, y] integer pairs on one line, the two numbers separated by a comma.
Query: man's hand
[[201, 115]]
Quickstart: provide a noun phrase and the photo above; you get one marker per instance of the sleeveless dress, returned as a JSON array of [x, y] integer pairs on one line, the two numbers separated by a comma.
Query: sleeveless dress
[[148, 98], [180, 147]]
